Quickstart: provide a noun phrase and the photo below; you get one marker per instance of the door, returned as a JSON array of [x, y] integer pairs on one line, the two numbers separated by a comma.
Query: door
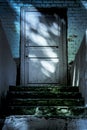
[[43, 47]]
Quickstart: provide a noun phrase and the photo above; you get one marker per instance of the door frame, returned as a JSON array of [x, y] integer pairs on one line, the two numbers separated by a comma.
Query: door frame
[[64, 65]]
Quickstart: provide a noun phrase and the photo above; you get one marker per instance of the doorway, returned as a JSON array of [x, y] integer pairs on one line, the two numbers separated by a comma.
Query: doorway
[[43, 46]]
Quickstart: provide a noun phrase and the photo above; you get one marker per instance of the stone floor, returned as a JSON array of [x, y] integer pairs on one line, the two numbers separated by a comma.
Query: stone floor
[[31, 122]]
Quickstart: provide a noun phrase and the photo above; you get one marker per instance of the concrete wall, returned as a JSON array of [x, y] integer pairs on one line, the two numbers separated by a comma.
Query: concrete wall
[[7, 65], [76, 21], [79, 69]]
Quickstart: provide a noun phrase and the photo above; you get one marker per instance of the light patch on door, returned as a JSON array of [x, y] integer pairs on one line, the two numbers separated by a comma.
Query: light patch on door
[[55, 29], [32, 19], [45, 72], [50, 53], [48, 66], [55, 60], [43, 30], [37, 39]]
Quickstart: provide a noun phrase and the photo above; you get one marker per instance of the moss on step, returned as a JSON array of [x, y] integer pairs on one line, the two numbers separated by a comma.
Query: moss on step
[[48, 102], [50, 111]]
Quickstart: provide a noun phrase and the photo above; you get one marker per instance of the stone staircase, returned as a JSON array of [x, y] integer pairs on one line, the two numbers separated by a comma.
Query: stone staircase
[[47, 101]]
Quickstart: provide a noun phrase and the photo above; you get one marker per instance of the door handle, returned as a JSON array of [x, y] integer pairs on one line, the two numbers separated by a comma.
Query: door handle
[[26, 56], [57, 46]]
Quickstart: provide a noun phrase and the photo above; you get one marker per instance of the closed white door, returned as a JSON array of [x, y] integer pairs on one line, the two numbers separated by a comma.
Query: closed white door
[[42, 47]]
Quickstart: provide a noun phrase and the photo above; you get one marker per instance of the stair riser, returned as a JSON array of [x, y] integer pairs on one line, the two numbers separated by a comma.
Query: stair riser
[[45, 89], [48, 103], [44, 95]]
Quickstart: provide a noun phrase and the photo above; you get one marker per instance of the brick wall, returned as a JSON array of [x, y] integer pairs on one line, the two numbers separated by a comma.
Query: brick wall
[[76, 20]]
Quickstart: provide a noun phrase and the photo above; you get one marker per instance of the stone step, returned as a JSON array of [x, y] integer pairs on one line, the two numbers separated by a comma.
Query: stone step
[[48, 111], [34, 94], [47, 102], [44, 88]]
